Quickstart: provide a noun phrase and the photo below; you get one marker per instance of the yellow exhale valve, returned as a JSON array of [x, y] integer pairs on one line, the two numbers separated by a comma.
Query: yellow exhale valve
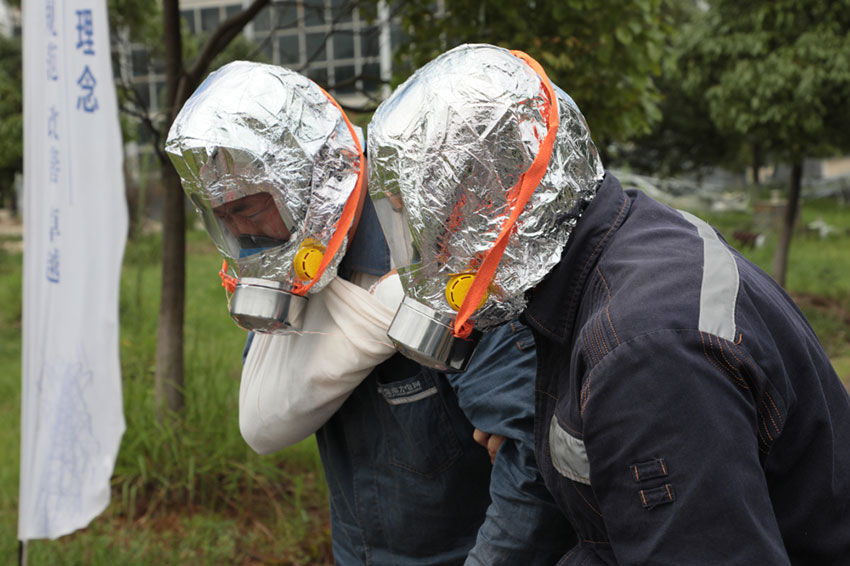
[[457, 289], [307, 261]]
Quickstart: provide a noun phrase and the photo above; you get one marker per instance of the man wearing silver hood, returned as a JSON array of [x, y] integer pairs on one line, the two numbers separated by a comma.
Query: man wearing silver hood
[[277, 174], [685, 411]]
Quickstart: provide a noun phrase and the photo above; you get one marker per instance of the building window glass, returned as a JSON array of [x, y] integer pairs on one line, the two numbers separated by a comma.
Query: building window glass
[[316, 50], [319, 75], [343, 76], [331, 41], [143, 94], [369, 42], [287, 49], [209, 19], [343, 45], [396, 34], [161, 93], [140, 61], [371, 77], [342, 11], [158, 66], [262, 21], [143, 134], [287, 15], [314, 12]]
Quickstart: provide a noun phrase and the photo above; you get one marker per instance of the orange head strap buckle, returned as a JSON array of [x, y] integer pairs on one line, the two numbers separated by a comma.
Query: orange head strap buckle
[[518, 197], [228, 281]]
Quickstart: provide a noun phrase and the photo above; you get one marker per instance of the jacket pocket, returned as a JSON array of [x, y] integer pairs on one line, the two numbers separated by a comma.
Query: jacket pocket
[[416, 425]]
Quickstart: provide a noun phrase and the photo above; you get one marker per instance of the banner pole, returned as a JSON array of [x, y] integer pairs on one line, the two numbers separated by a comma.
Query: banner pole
[[22, 553]]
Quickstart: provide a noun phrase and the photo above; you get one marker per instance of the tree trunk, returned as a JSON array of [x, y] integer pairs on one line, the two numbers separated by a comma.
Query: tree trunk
[[13, 202], [780, 255], [756, 163], [169, 391], [169, 336]]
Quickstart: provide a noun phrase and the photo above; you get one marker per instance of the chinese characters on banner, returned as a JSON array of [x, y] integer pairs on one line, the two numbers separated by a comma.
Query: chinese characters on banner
[[75, 225]]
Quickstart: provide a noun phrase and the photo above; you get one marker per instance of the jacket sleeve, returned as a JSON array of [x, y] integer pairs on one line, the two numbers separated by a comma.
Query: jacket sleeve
[[671, 430], [496, 393], [293, 383]]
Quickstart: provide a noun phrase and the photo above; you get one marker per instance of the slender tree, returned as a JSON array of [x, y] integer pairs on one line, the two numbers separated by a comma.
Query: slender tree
[[686, 140], [181, 80], [778, 73]]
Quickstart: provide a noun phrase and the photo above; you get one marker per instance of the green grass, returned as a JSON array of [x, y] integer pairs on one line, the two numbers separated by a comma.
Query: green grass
[[10, 400], [194, 493], [191, 492]]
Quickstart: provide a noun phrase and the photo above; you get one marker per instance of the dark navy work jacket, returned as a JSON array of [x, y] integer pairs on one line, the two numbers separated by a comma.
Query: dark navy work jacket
[[686, 412]]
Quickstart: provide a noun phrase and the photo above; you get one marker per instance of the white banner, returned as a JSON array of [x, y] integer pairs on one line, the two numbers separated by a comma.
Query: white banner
[[75, 226]]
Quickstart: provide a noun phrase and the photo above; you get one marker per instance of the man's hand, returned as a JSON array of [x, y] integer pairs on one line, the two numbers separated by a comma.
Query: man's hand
[[489, 441]]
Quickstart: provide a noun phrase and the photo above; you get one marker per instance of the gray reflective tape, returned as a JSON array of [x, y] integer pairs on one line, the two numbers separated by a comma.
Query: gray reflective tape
[[568, 454], [411, 398], [720, 283]]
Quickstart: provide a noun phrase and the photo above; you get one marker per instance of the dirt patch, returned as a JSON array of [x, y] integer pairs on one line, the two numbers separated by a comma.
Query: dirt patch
[[10, 225], [279, 523], [11, 232], [827, 305], [838, 340]]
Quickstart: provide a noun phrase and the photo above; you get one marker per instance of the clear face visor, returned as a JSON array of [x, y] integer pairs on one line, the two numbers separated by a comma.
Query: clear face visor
[[247, 225], [395, 224], [419, 332], [254, 228]]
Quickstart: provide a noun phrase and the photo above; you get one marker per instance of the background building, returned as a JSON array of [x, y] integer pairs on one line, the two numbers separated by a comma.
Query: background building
[[344, 49], [10, 20]]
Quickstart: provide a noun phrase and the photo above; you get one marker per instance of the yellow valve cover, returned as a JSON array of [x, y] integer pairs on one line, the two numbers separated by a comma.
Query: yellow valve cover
[[307, 261], [457, 289]]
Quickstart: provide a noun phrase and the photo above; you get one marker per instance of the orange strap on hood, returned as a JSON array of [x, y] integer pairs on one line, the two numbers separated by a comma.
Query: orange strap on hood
[[228, 281], [348, 211], [519, 195]]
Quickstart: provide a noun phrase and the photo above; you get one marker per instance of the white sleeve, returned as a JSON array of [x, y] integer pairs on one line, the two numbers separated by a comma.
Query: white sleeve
[[293, 383], [389, 291]]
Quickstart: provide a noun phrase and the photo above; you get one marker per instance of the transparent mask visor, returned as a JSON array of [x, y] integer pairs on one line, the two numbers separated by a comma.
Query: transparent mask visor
[[395, 224], [246, 226]]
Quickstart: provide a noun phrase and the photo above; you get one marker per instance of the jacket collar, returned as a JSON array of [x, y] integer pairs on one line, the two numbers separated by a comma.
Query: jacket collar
[[368, 252], [555, 300]]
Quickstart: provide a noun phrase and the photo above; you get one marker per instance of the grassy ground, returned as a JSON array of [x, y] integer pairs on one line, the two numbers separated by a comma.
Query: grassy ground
[[10, 395], [195, 494], [190, 494]]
